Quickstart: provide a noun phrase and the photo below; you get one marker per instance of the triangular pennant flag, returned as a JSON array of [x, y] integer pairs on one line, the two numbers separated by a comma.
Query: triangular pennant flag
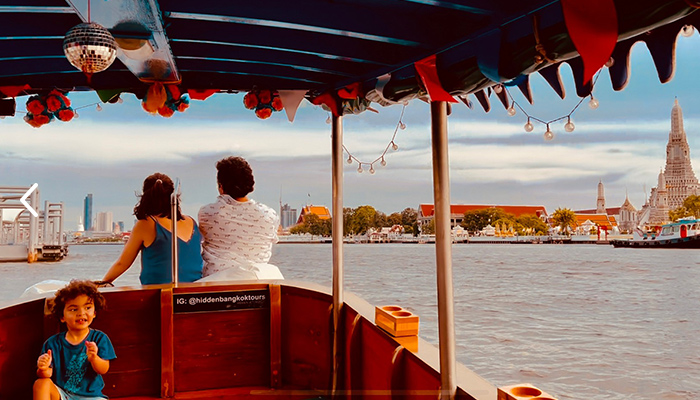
[[108, 95], [201, 94], [13, 91], [428, 74], [592, 26], [291, 99], [350, 92]]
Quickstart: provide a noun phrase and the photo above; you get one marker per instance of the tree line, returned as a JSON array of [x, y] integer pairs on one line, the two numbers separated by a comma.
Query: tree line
[[357, 221]]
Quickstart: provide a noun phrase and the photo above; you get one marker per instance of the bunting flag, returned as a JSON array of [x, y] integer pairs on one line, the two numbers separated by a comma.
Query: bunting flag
[[13, 91], [201, 94], [427, 71], [109, 95], [592, 26], [291, 99]]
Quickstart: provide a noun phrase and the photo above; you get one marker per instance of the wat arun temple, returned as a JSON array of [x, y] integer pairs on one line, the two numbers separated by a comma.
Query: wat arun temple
[[675, 183]]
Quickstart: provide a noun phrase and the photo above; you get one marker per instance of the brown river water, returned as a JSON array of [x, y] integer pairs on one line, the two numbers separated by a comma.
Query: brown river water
[[578, 321]]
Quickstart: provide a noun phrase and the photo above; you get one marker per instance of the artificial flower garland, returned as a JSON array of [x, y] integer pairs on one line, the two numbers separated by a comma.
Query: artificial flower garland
[[164, 100], [42, 109], [264, 102]]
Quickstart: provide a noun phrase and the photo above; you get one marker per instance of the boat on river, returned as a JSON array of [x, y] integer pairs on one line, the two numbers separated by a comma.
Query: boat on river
[[682, 234], [279, 339]]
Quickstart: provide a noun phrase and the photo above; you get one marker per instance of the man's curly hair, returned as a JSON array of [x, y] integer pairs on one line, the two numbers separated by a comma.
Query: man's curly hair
[[235, 176], [74, 289]]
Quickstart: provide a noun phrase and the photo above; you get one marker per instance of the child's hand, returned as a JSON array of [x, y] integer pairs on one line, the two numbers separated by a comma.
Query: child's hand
[[91, 348], [44, 361]]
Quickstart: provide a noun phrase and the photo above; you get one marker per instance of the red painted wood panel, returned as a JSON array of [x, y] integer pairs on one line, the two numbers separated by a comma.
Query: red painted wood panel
[[306, 339], [21, 337], [222, 349]]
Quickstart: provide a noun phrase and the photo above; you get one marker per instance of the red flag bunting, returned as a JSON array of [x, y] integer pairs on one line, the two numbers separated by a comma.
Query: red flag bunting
[[13, 91], [201, 94], [330, 101], [592, 26], [428, 74]]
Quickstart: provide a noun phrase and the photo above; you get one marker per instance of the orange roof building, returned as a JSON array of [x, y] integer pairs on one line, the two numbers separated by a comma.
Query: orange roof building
[[426, 212], [321, 211], [607, 222]]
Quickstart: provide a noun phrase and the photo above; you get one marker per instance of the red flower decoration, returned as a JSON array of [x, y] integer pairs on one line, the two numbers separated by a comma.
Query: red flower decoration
[[277, 103], [41, 119], [53, 103], [35, 106], [182, 106], [263, 113], [265, 96], [166, 111], [66, 114], [250, 101]]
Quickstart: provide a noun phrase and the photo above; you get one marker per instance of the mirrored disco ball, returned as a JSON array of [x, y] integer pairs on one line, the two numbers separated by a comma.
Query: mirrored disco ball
[[90, 47]]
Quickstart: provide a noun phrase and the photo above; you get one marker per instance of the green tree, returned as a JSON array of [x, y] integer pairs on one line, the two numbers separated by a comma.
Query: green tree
[[409, 220], [533, 223], [380, 220], [429, 228], [690, 208], [347, 221], [298, 229], [564, 218], [394, 219], [363, 219], [475, 221]]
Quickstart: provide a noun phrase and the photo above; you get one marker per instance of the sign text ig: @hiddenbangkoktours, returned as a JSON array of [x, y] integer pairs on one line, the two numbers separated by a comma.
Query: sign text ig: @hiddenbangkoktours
[[220, 301]]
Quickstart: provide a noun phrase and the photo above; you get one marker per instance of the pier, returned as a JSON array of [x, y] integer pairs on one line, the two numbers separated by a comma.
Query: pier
[[28, 237]]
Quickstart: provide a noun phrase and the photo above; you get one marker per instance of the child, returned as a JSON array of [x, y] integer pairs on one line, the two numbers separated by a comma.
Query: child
[[72, 362]]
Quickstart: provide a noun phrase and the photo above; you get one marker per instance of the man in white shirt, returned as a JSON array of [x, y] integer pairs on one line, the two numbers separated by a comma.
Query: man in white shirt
[[238, 232]]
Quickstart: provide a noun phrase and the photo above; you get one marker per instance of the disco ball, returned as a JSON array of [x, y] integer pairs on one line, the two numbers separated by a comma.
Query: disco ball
[[90, 47]]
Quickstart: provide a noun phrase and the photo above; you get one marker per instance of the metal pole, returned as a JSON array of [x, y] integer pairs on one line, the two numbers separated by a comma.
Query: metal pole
[[443, 248], [60, 225], [173, 229], [337, 170]]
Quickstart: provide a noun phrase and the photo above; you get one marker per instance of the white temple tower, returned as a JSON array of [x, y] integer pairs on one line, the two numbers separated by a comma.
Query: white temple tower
[[600, 204], [680, 178]]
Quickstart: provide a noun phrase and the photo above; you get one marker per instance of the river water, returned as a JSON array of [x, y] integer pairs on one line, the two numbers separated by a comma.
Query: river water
[[578, 321]]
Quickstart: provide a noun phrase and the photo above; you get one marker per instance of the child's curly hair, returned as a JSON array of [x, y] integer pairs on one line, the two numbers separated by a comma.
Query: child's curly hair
[[74, 289]]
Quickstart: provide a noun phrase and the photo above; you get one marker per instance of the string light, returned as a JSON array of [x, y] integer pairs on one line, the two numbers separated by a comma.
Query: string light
[[381, 160], [568, 127], [99, 107]]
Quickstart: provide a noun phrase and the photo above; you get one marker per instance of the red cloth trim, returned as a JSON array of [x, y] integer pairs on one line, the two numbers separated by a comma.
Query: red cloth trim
[[201, 94], [330, 101], [350, 92], [428, 74], [592, 26], [13, 91]]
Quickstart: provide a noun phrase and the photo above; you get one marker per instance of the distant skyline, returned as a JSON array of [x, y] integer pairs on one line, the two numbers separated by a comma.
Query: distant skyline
[[493, 160]]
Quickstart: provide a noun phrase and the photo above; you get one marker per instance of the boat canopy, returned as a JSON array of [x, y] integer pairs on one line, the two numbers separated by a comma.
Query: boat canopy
[[376, 50]]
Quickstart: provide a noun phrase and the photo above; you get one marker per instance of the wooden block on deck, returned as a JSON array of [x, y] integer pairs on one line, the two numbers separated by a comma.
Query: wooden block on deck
[[396, 320], [522, 391]]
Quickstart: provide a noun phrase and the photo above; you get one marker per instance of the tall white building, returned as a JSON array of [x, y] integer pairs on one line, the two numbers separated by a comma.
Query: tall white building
[[104, 222]]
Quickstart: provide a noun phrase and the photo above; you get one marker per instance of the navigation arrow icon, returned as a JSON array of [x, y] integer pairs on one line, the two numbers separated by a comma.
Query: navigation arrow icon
[[23, 200]]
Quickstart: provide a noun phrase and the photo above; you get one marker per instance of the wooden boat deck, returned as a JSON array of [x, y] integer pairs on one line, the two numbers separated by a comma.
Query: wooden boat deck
[[281, 350]]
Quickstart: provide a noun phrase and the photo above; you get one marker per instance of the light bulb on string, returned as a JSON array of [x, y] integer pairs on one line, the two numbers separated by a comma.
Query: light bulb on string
[[687, 30], [394, 146], [593, 104], [120, 101], [359, 168], [371, 169], [528, 126], [2, 117], [349, 160], [328, 120], [548, 135], [76, 115], [497, 88], [569, 126], [610, 62], [402, 125], [98, 108], [383, 162], [511, 111]]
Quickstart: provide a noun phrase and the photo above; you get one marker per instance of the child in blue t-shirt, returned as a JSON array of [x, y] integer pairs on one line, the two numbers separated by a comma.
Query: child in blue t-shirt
[[72, 363]]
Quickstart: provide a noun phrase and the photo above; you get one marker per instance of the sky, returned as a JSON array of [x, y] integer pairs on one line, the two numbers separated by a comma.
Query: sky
[[493, 160]]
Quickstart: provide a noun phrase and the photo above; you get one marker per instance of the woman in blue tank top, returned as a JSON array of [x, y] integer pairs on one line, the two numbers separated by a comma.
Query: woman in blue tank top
[[152, 237]]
